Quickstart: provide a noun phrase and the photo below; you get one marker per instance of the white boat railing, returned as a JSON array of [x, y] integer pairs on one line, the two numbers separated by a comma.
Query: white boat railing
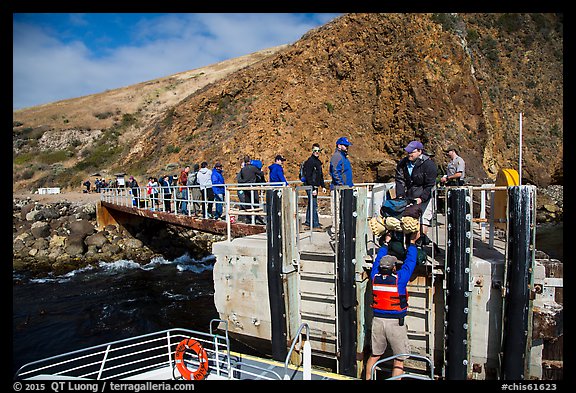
[[149, 356], [153, 357], [131, 358]]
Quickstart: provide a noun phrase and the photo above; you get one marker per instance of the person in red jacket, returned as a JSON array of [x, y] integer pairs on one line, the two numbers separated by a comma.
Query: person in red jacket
[[391, 304]]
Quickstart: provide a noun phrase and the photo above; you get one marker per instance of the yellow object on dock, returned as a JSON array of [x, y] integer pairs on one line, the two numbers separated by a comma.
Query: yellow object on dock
[[508, 178]]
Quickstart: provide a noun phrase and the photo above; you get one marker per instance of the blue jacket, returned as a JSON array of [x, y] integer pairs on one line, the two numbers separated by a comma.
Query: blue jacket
[[277, 174], [217, 178], [403, 276], [340, 170]]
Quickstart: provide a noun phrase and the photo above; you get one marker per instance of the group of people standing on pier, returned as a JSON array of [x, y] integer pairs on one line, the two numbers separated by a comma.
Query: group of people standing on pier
[[200, 192]]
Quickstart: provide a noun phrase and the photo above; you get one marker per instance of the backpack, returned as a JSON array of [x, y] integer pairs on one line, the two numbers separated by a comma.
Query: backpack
[[257, 163], [393, 207], [396, 248], [301, 174], [192, 179]]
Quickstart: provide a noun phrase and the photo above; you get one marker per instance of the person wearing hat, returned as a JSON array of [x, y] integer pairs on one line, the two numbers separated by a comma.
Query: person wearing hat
[[415, 180], [340, 167], [341, 173], [277, 171], [455, 169], [390, 304]]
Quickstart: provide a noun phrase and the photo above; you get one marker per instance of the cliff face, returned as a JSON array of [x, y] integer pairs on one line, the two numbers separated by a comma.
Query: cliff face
[[379, 79]]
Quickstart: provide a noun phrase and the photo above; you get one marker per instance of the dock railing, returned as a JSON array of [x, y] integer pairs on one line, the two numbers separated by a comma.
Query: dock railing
[[242, 202], [238, 206], [484, 213]]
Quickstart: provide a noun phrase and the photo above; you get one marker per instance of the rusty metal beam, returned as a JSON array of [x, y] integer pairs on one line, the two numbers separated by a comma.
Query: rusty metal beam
[[217, 227]]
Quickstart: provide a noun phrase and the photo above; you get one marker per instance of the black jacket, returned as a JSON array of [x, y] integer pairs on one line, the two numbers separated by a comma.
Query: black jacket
[[420, 184], [250, 174], [313, 172]]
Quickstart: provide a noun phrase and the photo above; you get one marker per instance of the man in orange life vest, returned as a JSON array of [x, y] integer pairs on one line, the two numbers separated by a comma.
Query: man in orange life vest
[[390, 304]]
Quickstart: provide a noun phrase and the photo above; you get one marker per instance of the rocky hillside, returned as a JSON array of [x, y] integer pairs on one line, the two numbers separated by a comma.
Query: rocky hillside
[[380, 79]]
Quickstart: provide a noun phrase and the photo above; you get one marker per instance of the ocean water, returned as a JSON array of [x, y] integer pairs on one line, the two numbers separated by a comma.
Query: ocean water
[[550, 239], [109, 302]]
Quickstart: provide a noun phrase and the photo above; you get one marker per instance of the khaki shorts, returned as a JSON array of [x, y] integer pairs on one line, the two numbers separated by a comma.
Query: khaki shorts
[[388, 330], [427, 212]]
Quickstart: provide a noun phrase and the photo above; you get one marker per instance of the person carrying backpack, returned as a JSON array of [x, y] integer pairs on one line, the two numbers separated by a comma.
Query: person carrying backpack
[[250, 174], [390, 277], [312, 176], [194, 191], [415, 180], [204, 178]]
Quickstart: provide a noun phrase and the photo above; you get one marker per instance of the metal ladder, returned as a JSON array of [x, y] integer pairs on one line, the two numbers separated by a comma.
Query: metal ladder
[[317, 290], [421, 319]]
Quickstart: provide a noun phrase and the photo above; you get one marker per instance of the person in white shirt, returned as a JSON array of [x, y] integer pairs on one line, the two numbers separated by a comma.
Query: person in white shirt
[[204, 178]]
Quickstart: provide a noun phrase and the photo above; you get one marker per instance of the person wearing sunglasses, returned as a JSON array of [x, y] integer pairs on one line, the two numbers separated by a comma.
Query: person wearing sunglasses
[[312, 176]]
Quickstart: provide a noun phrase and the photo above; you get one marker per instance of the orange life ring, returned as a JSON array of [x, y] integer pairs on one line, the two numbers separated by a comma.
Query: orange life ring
[[195, 346]]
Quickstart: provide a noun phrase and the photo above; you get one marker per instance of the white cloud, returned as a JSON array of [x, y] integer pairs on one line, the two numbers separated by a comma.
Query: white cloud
[[47, 69]]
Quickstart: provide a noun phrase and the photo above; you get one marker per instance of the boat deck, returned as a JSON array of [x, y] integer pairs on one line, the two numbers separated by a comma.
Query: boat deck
[[152, 357]]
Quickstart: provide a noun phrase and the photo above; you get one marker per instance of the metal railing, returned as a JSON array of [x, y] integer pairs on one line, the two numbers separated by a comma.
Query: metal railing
[[483, 214], [240, 202], [131, 357], [194, 201], [406, 356], [147, 357], [306, 351], [187, 200]]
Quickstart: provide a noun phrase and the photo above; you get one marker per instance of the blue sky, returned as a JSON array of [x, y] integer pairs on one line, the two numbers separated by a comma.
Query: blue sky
[[60, 56]]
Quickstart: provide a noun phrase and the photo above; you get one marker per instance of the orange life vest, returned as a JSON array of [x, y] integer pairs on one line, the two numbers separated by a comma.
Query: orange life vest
[[386, 294]]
